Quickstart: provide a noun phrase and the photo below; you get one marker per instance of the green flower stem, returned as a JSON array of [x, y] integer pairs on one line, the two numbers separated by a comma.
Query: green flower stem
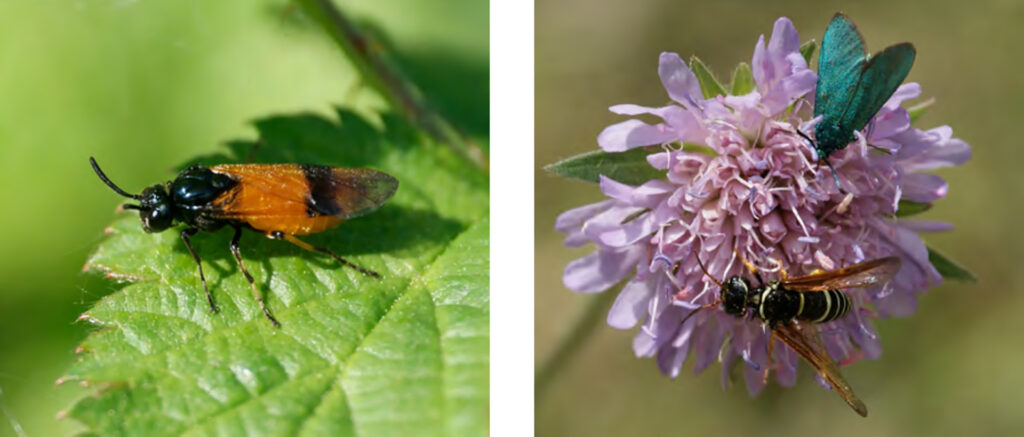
[[577, 336], [370, 58]]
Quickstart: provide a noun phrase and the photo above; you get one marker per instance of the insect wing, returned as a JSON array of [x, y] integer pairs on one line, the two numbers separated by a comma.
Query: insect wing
[[865, 274], [815, 355], [840, 65], [299, 199], [882, 74], [288, 188], [353, 192]]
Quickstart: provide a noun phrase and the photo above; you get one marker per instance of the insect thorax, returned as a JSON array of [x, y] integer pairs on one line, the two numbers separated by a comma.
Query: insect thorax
[[193, 193], [830, 137], [774, 303]]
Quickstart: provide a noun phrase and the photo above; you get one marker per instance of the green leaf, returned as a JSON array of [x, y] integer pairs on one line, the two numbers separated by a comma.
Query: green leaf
[[919, 109], [709, 86], [908, 208], [807, 50], [629, 167], [742, 80], [948, 268], [403, 355]]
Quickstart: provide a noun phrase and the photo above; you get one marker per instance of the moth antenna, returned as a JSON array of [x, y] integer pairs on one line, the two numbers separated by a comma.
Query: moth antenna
[[110, 184]]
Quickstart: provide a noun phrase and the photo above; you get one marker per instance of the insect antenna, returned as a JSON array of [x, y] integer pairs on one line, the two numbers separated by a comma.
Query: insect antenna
[[110, 184], [710, 305], [809, 140], [701, 264]]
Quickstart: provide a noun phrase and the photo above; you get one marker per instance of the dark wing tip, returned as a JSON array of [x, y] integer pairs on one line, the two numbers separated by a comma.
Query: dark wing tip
[[382, 187], [841, 16], [908, 45], [890, 265], [860, 408], [375, 188]]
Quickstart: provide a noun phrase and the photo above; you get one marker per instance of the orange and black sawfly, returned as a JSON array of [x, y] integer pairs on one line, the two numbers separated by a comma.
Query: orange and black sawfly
[[791, 307], [279, 201]]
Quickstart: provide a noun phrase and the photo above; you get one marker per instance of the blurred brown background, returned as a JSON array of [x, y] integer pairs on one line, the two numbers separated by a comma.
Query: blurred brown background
[[954, 368]]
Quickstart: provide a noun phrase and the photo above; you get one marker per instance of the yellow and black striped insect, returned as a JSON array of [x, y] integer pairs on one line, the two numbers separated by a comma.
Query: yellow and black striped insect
[[278, 200], [791, 306]]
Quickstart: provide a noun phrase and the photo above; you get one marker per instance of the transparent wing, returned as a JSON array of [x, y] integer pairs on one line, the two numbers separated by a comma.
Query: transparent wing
[[811, 351], [865, 274]]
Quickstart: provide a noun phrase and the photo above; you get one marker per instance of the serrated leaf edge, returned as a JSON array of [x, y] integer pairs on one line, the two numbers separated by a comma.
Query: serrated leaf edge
[[415, 280]]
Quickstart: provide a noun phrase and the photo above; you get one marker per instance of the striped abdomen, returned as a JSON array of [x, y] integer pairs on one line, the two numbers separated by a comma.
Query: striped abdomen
[[823, 306]]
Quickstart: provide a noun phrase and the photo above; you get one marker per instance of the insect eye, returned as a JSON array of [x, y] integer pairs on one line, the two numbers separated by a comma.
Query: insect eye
[[156, 219], [155, 211]]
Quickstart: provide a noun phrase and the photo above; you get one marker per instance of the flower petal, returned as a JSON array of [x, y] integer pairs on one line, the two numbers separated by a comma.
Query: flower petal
[[897, 304], [785, 39], [932, 149], [598, 271], [628, 134], [630, 306], [678, 80], [647, 195], [644, 345], [907, 91], [924, 187], [779, 69], [925, 225], [573, 219], [571, 222], [888, 124], [788, 89], [671, 357], [638, 229]]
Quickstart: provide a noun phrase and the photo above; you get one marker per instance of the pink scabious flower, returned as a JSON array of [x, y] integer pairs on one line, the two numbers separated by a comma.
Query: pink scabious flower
[[762, 194]]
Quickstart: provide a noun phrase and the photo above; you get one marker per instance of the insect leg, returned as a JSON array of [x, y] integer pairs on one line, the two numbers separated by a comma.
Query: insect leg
[[814, 146], [782, 273], [291, 239], [248, 277], [835, 176], [749, 266], [185, 234]]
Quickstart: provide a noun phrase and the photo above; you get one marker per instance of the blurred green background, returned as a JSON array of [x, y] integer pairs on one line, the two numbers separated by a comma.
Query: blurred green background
[[954, 368], [143, 86]]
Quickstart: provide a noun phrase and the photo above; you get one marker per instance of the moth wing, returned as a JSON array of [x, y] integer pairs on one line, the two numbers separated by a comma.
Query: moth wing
[[839, 68], [882, 74]]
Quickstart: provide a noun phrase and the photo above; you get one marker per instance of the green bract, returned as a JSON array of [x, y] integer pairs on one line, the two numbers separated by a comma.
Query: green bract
[[629, 167]]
